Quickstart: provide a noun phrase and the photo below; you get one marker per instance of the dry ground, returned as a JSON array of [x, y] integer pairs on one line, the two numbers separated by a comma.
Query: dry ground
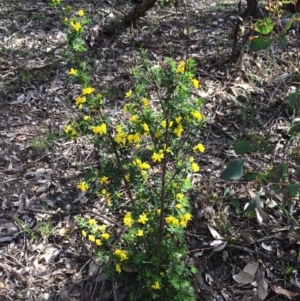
[[42, 255]]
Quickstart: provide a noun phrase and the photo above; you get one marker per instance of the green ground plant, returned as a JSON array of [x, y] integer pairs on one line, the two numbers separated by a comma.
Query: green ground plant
[[146, 162]]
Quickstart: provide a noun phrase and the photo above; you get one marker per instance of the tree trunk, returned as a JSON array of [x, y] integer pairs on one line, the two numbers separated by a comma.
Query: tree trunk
[[139, 11]]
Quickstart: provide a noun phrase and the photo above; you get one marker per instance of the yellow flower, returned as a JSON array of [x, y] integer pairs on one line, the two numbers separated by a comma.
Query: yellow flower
[[103, 180], [167, 149], [158, 211], [87, 91], [79, 101], [92, 238], [87, 118], [128, 94], [83, 186], [156, 285], [80, 13], [134, 118], [146, 127], [126, 108], [98, 242], [144, 166], [127, 178], [178, 131], [118, 268], [73, 71], [134, 138], [75, 25], [55, 1], [197, 115], [163, 123], [195, 83], [184, 219], [145, 102], [178, 119], [105, 235], [157, 157], [128, 221], [157, 134], [195, 167], [179, 196], [172, 220], [191, 159], [143, 219], [69, 130], [199, 147], [101, 228], [178, 206], [83, 233], [99, 129], [68, 8], [181, 67], [140, 232], [121, 254], [92, 222]]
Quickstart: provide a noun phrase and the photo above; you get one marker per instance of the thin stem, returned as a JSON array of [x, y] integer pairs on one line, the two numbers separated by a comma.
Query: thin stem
[[162, 198]]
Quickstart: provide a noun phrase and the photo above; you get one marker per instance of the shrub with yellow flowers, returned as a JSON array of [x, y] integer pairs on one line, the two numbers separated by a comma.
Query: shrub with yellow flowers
[[147, 161]]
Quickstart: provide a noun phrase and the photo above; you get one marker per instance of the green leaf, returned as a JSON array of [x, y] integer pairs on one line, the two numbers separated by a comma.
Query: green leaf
[[282, 41], [294, 100], [293, 189], [264, 26], [243, 147], [260, 43], [252, 176], [253, 204], [234, 170], [295, 129], [235, 203]]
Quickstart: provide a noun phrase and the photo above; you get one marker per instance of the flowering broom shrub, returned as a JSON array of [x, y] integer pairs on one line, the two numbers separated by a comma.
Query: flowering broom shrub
[[147, 159]]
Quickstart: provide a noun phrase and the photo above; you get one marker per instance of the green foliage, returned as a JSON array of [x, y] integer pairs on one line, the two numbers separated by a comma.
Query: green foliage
[[265, 34], [144, 171], [234, 170]]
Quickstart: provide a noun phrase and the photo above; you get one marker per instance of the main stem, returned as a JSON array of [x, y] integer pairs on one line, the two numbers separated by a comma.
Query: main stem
[[162, 199]]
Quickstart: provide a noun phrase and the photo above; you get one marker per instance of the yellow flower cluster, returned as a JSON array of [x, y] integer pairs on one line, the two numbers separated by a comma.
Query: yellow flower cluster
[[79, 101], [104, 180], [83, 186], [143, 219], [141, 165], [80, 13], [184, 219], [156, 285], [195, 83], [128, 221], [94, 235], [172, 220], [128, 94], [55, 2], [145, 102], [73, 71], [195, 167], [122, 138], [71, 131], [121, 254], [99, 129], [157, 157], [75, 25], [199, 148], [87, 90], [181, 67], [197, 115]]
